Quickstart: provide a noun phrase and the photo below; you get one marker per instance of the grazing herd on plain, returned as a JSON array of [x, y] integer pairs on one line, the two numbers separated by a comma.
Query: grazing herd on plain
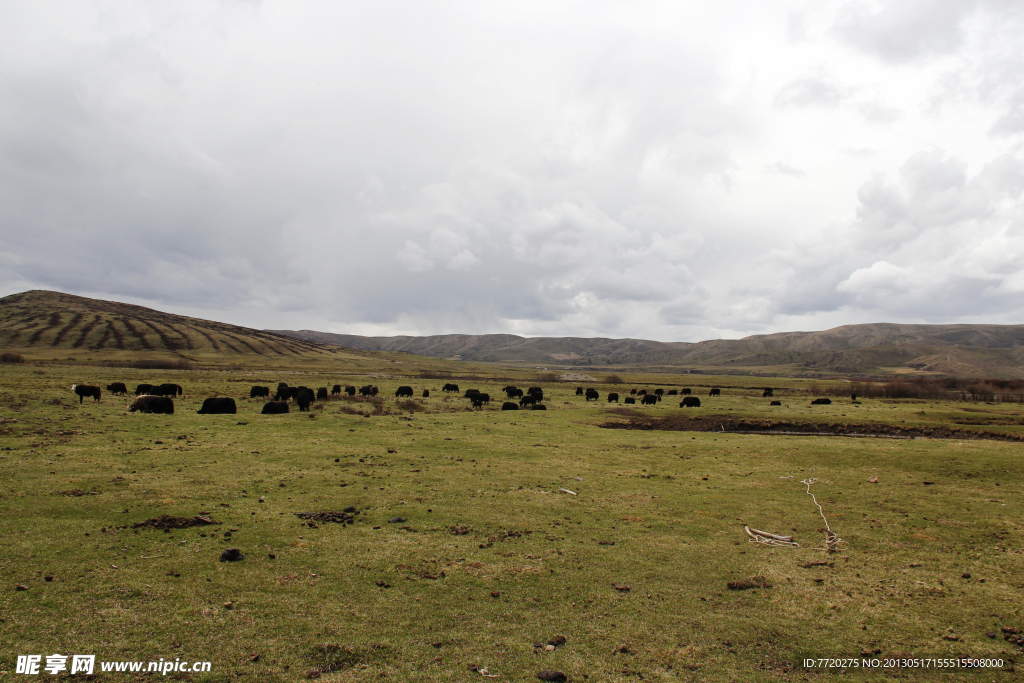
[[158, 398]]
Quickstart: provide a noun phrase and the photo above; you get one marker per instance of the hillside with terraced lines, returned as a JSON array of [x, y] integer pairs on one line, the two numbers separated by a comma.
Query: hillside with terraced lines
[[44, 319]]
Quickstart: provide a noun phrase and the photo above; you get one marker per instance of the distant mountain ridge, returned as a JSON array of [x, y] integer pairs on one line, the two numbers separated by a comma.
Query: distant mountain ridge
[[989, 350]]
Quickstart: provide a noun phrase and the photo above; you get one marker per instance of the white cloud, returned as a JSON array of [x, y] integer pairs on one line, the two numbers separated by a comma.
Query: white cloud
[[664, 171]]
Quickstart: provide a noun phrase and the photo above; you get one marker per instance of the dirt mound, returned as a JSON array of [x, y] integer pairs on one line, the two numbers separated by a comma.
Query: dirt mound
[[168, 522], [347, 516], [720, 423]]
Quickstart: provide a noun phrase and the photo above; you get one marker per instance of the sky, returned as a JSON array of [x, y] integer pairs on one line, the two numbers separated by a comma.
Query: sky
[[676, 171]]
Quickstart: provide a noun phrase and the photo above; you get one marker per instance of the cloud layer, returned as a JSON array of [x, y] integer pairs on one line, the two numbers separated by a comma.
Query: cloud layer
[[662, 170]]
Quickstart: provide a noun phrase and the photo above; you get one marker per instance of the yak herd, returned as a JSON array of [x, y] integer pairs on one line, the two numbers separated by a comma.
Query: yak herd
[[158, 398]]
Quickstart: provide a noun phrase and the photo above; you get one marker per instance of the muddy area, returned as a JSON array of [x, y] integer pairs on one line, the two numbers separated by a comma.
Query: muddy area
[[347, 516], [168, 522], [731, 425]]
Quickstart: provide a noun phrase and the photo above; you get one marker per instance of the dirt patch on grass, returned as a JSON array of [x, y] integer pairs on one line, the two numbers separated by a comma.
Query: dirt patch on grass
[[347, 516], [721, 423], [168, 522]]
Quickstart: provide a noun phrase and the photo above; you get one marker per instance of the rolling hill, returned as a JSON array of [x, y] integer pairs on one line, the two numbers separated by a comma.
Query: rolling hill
[[870, 349], [52, 320]]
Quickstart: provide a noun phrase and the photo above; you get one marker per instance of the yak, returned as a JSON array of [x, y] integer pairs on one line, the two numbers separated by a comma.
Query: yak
[[613, 397], [143, 389], [509, 405], [403, 391], [84, 390], [821, 402], [775, 403], [450, 388], [275, 407], [690, 402], [592, 395], [152, 404], [321, 394], [715, 392], [629, 399], [768, 393], [218, 406], [336, 390], [426, 393], [119, 389], [304, 398], [259, 392], [649, 400]]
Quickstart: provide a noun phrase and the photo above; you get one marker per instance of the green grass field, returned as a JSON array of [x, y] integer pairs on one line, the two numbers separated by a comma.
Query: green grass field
[[493, 557]]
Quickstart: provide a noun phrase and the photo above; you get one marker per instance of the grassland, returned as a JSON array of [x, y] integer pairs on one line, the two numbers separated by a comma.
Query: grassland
[[492, 556]]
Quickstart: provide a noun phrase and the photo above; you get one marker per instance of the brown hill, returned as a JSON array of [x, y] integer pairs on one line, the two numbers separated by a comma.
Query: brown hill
[[54, 320], [870, 349]]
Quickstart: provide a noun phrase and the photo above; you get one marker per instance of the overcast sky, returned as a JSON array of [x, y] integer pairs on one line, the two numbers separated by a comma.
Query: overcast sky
[[675, 171]]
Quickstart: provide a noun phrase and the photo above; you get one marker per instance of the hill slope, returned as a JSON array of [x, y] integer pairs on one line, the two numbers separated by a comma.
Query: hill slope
[[63, 321], [976, 350]]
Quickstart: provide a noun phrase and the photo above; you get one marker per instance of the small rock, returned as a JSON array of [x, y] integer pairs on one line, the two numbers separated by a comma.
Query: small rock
[[872, 480], [392, 450], [622, 649], [495, 594], [556, 676], [313, 673], [383, 584], [229, 605], [622, 587], [47, 579], [549, 648], [990, 634], [231, 555], [254, 658], [557, 640], [965, 575], [396, 520], [21, 587], [272, 556]]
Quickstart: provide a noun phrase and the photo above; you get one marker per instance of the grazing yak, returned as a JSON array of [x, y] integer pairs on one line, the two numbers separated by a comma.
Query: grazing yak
[[528, 400], [579, 391], [403, 391], [690, 402], [284, 393], [684, 392], [259, 392], [143, 389], [166, 389], [119, 389], [336, 390], [537, 393], [592, 395], [853, 397], [632, 392], [539, 406], [642, 392], [613, 397], [629, 399], [152, 404], [218, 406], [275, 407], [768, 393], [426, 393], [477, 401], [84, 390], [350, 390], [649, 400], [321, 394], [821, 402], [775, 403], [450, 388], [715, 392], [659, 392], [304, 398], [368, 390], [672, 392], [471, 393], [509, 405], [513, 392]]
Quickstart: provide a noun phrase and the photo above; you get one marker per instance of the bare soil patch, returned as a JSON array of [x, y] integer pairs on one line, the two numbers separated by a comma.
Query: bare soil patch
[[721, 423], [169, 522]]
